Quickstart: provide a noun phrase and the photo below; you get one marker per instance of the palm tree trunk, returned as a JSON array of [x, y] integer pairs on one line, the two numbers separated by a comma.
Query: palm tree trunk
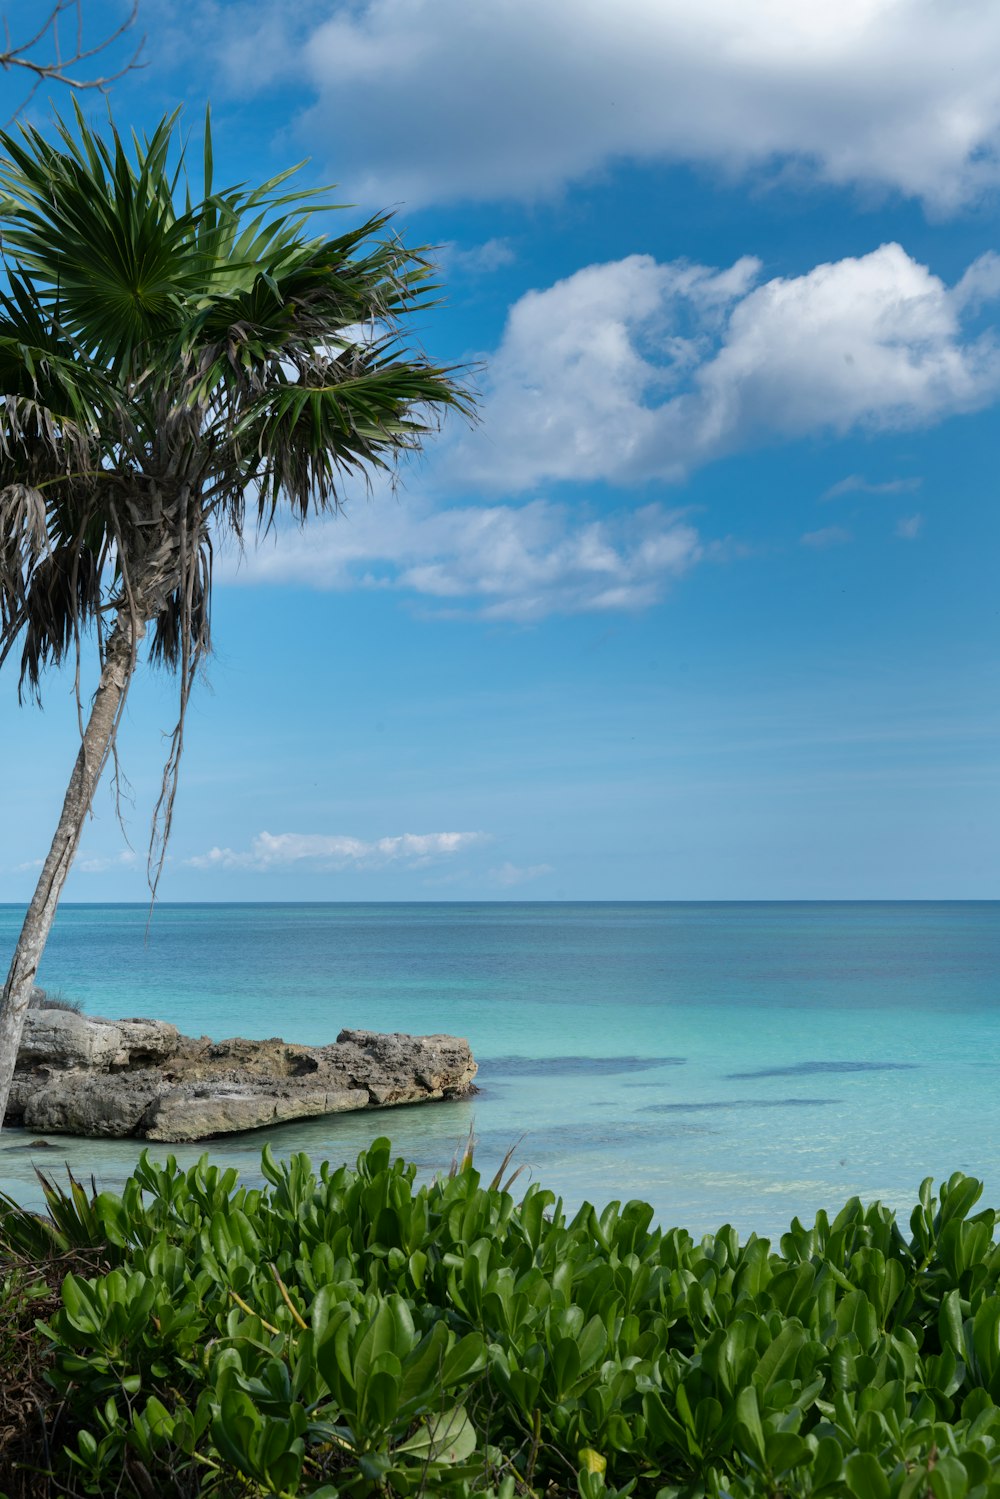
[[96, 744]]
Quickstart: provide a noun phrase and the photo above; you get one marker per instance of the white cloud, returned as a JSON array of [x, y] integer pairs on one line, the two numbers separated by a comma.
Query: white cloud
[[980, 284], [827, 536], [475, 260], [909, 527], [101, 863], [324, 851], [448, 100], [252, 44], [858, 484], [636, 370], [508, 875], [499, 561]]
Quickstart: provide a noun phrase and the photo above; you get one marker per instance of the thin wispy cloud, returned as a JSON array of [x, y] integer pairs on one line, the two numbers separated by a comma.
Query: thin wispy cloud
[[508, 875], [322, 851], [94, 864], [858, 484], [102, 863], [909, 527], [475, 260], [502, 562], [826, 536]]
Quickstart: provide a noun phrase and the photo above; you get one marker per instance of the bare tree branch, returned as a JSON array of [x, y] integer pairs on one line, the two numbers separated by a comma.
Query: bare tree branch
[[47, 56]]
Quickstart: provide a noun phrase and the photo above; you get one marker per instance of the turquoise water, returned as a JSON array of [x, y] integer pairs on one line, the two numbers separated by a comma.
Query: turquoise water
[[730, 1062]]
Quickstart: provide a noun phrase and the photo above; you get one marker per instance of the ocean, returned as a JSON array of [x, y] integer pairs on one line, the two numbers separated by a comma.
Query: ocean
[[730, 1063]]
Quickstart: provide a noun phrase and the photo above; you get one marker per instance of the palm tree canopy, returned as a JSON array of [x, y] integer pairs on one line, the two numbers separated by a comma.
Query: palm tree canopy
[[167, 365]]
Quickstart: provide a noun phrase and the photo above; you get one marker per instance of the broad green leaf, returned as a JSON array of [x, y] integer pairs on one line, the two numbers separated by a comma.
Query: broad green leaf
[[865, 1477], [447, 1438], [748, 1420]]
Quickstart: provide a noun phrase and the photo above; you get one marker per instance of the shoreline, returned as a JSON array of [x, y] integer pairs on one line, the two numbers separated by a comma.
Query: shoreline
[[630, 1028]]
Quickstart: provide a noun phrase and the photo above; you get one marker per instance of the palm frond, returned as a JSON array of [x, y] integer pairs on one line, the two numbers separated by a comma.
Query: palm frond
[[52, 394], [346, 418], [64, 597]]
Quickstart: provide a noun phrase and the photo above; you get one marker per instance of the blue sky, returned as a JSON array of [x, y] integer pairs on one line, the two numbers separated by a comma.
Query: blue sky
[[706, 607]]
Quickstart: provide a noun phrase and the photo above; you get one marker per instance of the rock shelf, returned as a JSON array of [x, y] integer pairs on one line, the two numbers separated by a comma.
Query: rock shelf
[[83, 1075]]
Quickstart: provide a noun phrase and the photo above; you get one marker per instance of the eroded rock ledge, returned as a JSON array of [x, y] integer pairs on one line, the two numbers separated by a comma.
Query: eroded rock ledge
[[82, 1075]]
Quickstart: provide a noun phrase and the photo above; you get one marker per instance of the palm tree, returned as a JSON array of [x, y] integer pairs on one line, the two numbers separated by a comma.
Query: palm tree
[[171, 372]]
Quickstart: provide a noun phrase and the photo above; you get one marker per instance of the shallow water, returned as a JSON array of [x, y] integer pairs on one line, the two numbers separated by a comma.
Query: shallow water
[[732, 1062]]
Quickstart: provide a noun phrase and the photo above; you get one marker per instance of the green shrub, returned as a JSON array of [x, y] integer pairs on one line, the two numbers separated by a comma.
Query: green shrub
[[349, 1333]]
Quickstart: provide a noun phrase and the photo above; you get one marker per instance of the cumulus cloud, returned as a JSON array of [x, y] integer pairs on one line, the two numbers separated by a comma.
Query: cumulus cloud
[[636, 370], [858, 484], [498, 561], [451, 100], [323, 851], [909, 527]]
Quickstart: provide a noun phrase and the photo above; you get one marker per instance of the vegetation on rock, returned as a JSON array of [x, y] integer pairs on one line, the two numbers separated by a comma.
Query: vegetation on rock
[[349, 1332], [54, 999]]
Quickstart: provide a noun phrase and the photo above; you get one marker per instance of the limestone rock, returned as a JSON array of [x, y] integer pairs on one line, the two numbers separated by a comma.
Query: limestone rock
[[195, 1113], [84, 1075], [61, 1039], [93, 1104], [397, 1068]]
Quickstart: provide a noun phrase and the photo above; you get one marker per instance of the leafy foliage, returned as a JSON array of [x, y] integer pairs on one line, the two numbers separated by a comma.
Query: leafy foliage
[[347, 1332]]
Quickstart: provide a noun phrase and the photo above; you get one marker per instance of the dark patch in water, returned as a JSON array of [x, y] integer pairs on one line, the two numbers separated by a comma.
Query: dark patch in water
[[571, 1066], [804, 1069], [738, 1103], [585, 1137]]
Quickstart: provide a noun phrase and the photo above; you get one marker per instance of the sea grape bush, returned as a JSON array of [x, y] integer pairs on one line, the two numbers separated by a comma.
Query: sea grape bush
[[348, 1332]]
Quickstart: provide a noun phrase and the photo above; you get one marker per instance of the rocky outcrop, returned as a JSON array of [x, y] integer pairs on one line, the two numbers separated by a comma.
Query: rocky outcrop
[[82, 1075]]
